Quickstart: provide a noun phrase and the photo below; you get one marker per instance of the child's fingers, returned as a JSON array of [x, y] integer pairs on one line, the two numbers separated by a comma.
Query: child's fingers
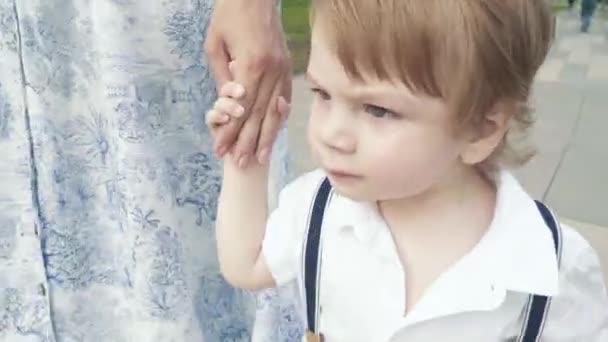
[[229, 106], [232, 90], [215, 118]]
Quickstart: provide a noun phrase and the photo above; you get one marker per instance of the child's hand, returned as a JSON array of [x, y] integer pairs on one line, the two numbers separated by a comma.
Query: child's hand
[[226, 106]]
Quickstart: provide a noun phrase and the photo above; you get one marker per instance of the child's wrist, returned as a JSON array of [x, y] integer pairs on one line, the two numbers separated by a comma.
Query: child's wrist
[[231, 167]]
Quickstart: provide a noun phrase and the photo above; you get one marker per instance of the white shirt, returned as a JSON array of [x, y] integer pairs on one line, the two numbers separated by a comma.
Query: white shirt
[[480, 298]]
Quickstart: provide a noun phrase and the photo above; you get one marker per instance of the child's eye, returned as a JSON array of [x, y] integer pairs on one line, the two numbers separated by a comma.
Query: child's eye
[[377, 111], [321, 93]]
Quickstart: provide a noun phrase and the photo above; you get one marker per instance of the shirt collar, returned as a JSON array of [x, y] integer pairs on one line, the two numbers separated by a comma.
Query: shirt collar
[[517, 253], [520, 242]]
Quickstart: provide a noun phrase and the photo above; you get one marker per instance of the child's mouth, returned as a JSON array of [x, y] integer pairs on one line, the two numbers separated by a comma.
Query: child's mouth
[[342, 175]]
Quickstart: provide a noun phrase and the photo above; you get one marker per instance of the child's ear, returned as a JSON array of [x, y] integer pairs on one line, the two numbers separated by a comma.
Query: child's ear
[[488, 135]]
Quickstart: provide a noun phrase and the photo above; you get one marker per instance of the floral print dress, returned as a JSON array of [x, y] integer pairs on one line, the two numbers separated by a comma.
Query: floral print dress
[[108, 184]]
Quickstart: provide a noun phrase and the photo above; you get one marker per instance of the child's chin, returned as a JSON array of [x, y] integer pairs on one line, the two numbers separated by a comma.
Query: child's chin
[[352, 192]]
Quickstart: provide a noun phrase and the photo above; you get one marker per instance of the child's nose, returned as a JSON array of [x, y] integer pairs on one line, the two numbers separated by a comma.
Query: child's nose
[[337, 133]]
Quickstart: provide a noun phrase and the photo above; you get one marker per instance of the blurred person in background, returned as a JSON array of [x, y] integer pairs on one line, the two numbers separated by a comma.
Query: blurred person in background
[[587, 10]]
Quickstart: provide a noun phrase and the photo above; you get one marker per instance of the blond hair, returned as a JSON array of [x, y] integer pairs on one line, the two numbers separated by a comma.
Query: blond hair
[[471, 53]]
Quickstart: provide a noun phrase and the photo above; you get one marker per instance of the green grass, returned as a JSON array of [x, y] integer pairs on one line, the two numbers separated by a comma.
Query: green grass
[[560, 5], [295, 23]]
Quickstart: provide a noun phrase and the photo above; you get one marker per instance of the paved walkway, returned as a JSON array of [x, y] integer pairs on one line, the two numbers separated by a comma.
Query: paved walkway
[[570, 171]]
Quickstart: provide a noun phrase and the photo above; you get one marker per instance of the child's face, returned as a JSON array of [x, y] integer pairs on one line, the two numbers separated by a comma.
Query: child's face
[[375, 139]]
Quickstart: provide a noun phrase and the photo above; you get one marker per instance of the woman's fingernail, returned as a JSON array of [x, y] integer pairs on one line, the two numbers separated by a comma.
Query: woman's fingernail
[[243, 161], [221, 150], [283, 107], [263, 156]]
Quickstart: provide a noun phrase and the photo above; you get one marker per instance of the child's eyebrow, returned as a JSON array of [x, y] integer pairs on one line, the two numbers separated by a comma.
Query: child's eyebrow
[[359, 93]]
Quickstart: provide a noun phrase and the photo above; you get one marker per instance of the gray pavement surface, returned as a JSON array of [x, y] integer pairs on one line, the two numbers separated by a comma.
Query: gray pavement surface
[[570, 170]]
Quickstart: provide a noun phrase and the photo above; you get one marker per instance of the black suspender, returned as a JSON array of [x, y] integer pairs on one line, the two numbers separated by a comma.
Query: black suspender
[[538, 306], [536, 309], [312, 260]]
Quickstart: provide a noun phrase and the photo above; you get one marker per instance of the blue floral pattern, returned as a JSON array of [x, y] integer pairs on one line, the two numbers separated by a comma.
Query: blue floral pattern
[[6, 114], [108, 182]]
